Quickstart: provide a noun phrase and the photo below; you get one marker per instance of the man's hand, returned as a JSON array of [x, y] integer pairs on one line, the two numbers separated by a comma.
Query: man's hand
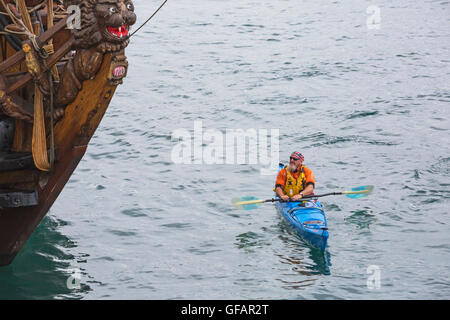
[[284, 197], [297, 197]]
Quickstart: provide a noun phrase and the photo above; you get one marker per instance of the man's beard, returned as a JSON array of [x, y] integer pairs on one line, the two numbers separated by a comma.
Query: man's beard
[[292, 167]]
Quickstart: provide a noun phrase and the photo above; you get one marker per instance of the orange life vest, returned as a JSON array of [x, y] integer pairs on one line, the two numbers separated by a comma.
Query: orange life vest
[[294, 186]]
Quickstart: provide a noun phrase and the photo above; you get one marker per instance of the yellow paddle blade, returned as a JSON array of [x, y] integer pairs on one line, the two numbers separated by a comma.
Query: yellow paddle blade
[[246, 202], [359, 192]]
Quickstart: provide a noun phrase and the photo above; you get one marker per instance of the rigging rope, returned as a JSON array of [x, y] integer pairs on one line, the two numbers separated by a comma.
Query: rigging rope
[[149, 18]]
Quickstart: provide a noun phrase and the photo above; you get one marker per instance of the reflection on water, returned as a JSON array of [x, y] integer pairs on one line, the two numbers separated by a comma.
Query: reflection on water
[[301, 264], [298, 264], [44, 268]]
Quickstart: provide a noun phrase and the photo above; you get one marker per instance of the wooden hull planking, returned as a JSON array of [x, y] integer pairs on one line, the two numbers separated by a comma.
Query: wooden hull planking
[[72, 135]]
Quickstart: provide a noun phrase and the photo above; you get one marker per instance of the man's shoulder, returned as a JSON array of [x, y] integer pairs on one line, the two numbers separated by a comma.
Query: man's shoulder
[[306, 168]]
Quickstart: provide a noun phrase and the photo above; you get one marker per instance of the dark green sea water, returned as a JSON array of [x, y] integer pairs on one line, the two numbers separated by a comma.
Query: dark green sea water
[[364, 105]]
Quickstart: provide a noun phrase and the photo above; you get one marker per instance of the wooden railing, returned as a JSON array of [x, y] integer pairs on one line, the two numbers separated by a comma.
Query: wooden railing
[[19, 56]]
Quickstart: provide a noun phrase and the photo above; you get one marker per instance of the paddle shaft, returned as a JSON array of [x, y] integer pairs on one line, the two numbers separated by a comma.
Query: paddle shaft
[[322, 195], [308, 197], [333, 194], [281, 200]]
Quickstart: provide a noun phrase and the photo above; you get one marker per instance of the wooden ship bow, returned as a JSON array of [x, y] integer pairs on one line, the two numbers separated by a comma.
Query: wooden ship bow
[[61, 62]]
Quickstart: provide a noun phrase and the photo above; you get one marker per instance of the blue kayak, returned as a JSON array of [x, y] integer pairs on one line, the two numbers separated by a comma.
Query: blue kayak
[[308, 219]]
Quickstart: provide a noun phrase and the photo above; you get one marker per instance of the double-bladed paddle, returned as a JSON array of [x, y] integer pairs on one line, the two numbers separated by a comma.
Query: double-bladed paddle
[[250, 202]]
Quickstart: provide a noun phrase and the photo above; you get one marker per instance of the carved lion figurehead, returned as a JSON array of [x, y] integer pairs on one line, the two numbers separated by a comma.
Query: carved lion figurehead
[[104, 24]]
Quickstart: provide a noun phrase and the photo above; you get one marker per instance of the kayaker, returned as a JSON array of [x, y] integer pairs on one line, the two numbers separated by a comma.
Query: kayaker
[[295, 180]]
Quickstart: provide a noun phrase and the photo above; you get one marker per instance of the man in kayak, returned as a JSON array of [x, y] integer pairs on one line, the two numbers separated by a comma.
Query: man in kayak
[[295, 180]]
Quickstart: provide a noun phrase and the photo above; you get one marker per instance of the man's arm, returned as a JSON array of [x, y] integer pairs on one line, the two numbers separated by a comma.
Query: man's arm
[[308, 190], [281, 194], [279, 185]]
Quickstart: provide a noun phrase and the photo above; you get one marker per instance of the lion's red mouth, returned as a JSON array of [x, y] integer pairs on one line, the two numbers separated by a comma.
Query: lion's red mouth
[[119, 32]]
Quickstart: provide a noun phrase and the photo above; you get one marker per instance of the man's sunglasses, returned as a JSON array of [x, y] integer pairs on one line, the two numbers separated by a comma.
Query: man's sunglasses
[[296, 159]]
